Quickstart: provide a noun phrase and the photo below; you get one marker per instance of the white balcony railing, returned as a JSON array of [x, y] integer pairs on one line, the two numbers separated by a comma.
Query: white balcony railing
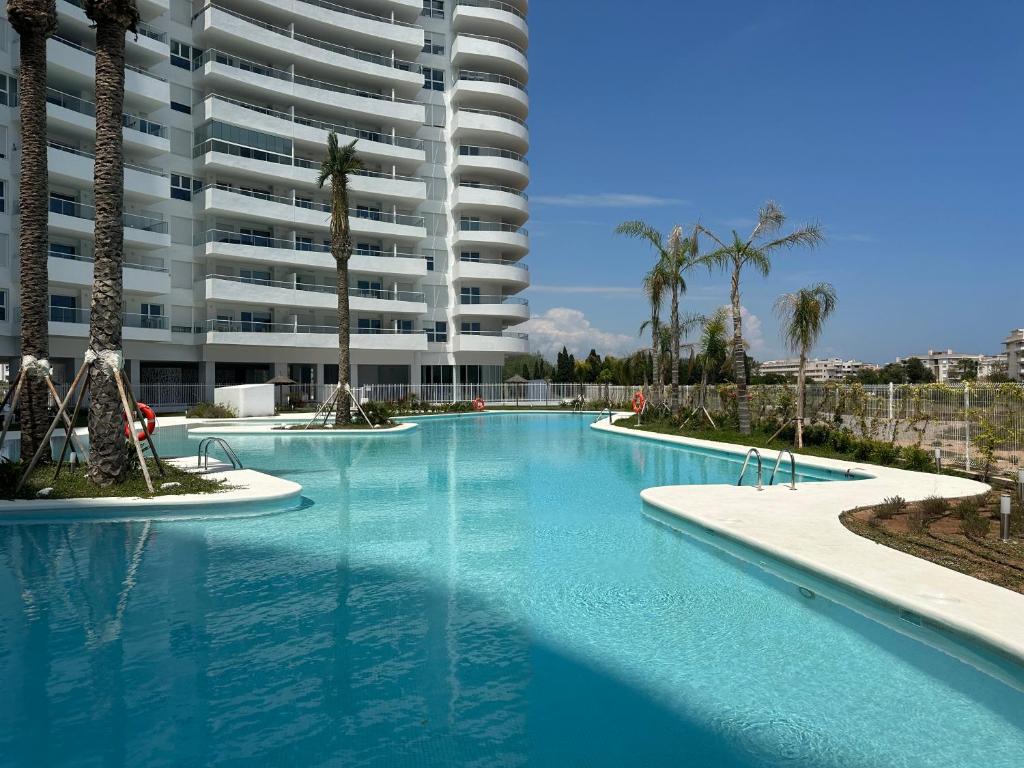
[[87, 108]]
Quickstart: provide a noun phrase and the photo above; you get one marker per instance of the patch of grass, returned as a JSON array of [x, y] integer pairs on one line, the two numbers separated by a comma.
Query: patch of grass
[[73, 483]]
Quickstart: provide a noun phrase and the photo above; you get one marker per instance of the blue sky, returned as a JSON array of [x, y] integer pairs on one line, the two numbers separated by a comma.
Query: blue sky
[[898, 126]]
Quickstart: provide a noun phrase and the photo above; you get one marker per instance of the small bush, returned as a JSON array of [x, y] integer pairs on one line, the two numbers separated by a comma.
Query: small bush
[[886, 454], [378, 413], [863, 450], [918, 459], [10, 474], [210, 411], [841, 440], [916, 521], [934, 507], [974, 526], [969, 506], [892, 506], [816, 434]]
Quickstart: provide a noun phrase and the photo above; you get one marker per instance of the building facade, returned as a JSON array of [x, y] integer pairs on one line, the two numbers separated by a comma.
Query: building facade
[[1014, 345], [947, 365], [228, 275], [820, 370]]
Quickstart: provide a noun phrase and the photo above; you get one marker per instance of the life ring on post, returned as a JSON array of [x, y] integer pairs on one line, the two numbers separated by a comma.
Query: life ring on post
[[638, 401], [478, 404], [148, 426]]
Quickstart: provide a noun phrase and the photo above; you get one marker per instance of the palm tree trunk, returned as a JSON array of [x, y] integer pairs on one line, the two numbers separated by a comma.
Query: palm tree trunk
[[344, 412], [800, 394], [674, 351], [106, 437], [33, 237], [739, 358]]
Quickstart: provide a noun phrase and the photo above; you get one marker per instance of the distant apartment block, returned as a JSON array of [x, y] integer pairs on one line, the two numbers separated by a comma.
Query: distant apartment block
[[820, 370], [947, 365], [1014, 344]]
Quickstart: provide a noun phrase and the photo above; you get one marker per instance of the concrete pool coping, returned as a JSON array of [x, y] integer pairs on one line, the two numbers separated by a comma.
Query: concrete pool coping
[[802, 527], [251, 493], [274, 429]]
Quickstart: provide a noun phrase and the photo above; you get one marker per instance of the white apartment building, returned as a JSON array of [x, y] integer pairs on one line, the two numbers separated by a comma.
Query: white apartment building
[[945, 364], [228, 276], [820, 370], [1014, 344]]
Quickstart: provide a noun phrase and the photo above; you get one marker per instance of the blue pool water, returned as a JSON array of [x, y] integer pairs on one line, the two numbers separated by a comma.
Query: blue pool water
[[485, 591]]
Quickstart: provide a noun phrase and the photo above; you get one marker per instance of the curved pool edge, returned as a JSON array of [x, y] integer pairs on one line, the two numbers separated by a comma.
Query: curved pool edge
[[270, 429], [802, 528], [251, 494]]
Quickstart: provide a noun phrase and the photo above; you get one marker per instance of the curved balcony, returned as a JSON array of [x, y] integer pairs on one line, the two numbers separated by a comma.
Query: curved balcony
[[75, 167], [219, 71], [77, 270], [76, 63], [493, 18], [506, 307], [497, 234], [490, 54], [506, 271], [263, 207], [256, 334], [488, 91], [488, 128], [508, 342], [147, 48], [374, 146], [273, 293], [361, 28], [250, 249], [493, 199], [217, 26], [141, 230], [503, 165], [77, 116]]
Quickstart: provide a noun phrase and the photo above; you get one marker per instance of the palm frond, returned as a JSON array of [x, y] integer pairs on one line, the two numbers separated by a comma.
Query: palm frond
[[642, 231], [769, 219], [808, 235]]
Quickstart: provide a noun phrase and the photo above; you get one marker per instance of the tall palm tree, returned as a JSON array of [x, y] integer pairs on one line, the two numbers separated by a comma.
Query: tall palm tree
[[336, 167], [803, 314], [676, 256], [34, 21], [754, 251], [112, 18], [654, 288]]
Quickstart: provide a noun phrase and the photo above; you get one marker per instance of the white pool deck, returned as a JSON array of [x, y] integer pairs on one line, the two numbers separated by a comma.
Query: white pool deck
[[802, 527]]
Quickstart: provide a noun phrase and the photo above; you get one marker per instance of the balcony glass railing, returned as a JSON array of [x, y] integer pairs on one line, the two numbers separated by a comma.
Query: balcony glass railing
[[490, 226], [490, 77], [84, 107], [149, 221], [258, 326], [499, 40], [496, 261], [493, 113], [386, 295], [343, 50], [245, 65], [472, 298], [83, 153], [91, 52], [128, 319], [344, 130], [468, 150], [493, 4], [496, 334], [260, 241], [353, 12], [493, 188], [89, 260], [404, 219]]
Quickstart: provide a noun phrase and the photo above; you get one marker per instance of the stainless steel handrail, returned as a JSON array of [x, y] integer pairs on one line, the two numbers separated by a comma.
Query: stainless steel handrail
[[746, 461], [203, 456], [792, 468]]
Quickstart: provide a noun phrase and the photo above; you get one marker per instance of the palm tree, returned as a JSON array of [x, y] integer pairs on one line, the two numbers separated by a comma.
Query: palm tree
[[654, 288], [754, 251], [112, 18], [336, 167], [34, 21], [803, 314], [675, 257]]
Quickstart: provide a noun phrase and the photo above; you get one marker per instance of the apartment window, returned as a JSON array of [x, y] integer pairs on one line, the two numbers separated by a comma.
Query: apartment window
[[439, 333], [469, 295], [63, 204], [3, 142], [254, 276], [471, 328], [182, 187], [367, 249], [370, 289], [470, 256], [182, 54], [3, 196], [367, 212], [152, 315], [433, 9], [62, 251], [434, 115], [401, 326], [469, 223], [8, 91], [258, 322], [304, 243], [63, 309], [3, 305], [433, 79], [433, 43], [368, 325], [436, 374]]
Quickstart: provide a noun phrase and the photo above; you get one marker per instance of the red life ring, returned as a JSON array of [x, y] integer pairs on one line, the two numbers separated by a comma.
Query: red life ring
[[148, 426], [478, 404], [638, 401]]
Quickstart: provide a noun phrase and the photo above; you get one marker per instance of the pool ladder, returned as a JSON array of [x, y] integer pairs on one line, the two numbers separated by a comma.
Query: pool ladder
[[203, 457], [792, 468], [600, 416], [757, 455]]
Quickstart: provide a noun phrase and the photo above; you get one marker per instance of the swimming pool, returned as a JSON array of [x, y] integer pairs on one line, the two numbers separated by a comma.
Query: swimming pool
[[487, 590]]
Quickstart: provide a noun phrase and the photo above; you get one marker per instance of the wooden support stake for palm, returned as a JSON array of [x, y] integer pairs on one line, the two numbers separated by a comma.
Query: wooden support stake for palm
[[327, 405], [69, 424], [142, 419], [131, 429], [13, 394], [44, 444], [68, 434]]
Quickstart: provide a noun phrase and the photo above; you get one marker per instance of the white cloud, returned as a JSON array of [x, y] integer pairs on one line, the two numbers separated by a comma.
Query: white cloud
[[606, 200], [753, 332], [562, 326]]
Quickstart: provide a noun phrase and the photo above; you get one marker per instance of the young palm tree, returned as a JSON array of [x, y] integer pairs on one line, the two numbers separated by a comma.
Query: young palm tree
[[654, 288], [113, 18], [34, 21], [754, 251], [336, 167], [675, 257], [803, 315]]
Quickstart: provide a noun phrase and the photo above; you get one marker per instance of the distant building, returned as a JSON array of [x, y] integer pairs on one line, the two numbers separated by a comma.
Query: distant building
[[990, 364], [946, 365], [818, 370], [1015, 354]]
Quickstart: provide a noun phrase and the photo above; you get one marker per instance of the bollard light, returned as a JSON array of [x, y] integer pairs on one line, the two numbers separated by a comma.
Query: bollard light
[[1004, 517], [938, 457], [1020, 485]]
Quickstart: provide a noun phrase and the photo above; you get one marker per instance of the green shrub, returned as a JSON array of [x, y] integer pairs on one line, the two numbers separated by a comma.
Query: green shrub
[[10, 474], [892, 506], [934, 507], [917, 523], [918, 459], [840, 440], [378, 413], [816, 434], [973, 525], [973, 505], [863, 450], [210, 411], [886, 454]]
